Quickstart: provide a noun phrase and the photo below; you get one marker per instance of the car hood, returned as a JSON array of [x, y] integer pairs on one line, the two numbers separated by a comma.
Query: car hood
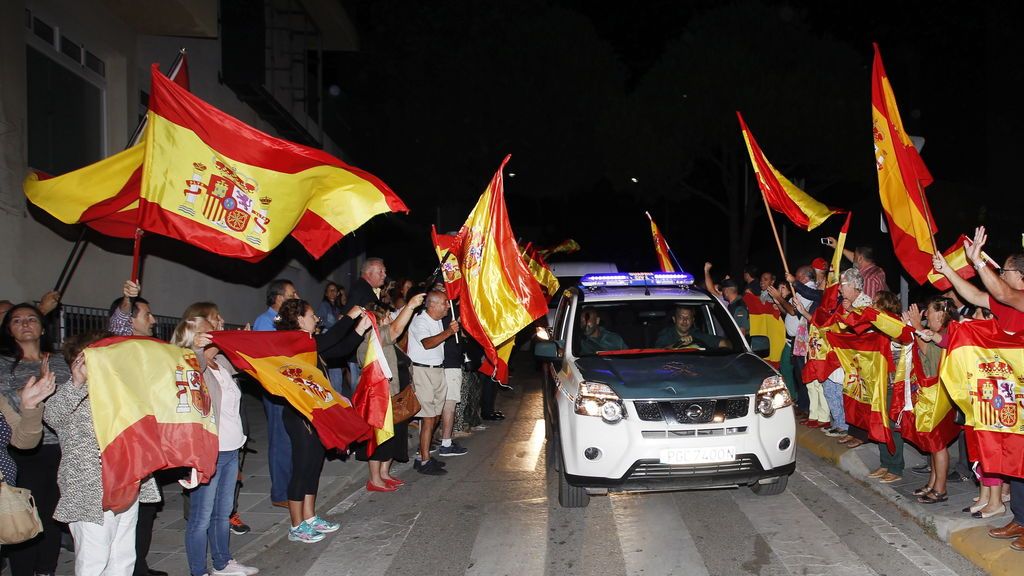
[[676, 375]]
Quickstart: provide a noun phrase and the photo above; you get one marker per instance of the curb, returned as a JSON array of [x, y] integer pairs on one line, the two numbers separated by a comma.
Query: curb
[[965, 536]]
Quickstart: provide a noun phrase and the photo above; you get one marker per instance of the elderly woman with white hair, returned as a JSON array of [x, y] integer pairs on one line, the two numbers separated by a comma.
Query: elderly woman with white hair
[[851, 289]]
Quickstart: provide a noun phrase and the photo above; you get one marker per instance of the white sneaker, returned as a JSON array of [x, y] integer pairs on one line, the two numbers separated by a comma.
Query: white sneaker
[[234, 568]]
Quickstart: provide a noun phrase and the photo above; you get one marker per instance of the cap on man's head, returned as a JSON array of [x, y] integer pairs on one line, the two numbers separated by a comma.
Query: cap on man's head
[[819, 264], [728, 283]]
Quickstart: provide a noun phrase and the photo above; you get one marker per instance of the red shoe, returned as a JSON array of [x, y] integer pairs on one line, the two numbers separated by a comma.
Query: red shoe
[[371, 487], [394, 482]]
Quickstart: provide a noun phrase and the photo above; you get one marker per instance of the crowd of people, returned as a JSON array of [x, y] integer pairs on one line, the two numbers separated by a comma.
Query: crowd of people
[[819, 397], [50, 446]]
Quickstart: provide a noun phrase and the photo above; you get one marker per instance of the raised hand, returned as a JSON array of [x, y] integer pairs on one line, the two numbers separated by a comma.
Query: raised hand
[[131, 289], [913, 317], [939, 263], [707, 266], [37, 389], [974, 247], [79, 374], [417, 300], [49, 301]]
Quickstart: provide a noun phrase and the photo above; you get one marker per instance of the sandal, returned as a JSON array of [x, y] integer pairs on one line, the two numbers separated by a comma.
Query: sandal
[[933, 497], [889, 478], [923, 490], [854, 443], [878, 473]]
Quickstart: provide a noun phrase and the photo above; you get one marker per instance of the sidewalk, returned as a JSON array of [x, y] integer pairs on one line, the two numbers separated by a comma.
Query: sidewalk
[[966, 535]]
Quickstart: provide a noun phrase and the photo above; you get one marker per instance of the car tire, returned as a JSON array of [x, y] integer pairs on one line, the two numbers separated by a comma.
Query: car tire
[[773, 489], [569, 496]]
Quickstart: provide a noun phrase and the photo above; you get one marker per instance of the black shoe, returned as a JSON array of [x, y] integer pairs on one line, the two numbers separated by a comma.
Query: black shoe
[[432, 468], [955, 476], [925, 468], [152, 572], [506, 387], [417, 464], [492, 416]]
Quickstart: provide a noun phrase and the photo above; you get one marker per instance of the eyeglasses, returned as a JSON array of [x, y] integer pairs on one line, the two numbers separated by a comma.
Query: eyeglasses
[[1003, 271]]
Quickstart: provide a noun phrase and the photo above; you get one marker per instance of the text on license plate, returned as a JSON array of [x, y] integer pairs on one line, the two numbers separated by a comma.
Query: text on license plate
[[698, 455]]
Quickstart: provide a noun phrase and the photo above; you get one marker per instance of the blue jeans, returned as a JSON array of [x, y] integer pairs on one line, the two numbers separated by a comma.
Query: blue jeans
[[209, 512], [279, 447], [834, 397], [337, 378]]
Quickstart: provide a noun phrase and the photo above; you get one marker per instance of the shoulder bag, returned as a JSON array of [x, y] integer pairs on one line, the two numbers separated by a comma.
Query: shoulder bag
[[19, 520]]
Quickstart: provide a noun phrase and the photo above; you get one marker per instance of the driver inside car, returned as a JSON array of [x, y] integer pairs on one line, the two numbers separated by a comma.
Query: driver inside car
[[682, 335], [596, 338]]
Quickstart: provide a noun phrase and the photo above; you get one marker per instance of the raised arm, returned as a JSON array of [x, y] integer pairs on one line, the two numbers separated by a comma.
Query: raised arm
[[967, 291], [399, 324], [709, 284], [993, 282]]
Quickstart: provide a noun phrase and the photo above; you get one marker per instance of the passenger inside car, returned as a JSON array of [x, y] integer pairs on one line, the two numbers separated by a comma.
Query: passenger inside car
[[595, 338], [681, 334]]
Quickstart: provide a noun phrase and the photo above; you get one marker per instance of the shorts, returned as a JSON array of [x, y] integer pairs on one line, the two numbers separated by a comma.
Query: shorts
[[429, 385], [453, 379]]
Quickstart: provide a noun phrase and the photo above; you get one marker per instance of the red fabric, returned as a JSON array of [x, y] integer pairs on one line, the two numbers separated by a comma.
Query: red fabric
[[875, 423], [338, 426], [1008, 319], [447, 248], [497, 369], [373, 394], [966, 271]]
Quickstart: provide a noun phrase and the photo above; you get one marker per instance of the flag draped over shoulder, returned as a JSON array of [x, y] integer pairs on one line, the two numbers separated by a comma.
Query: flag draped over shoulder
[[866, 361], [902, 178], [447, 254], [500, 296], [151, 410], [981, 371], [765, 320], [285, 364], [661, 248], [869, 317], [103, 195], [540, 270], [372, 400], [217, 183], [781, 194], [921, 407], [956, 257]]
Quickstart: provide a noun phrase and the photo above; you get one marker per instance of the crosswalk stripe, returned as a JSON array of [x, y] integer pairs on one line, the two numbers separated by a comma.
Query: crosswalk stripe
[[366, 548], [511, 539], [522, 456], [653, 537], [886, 530], [799, 538]]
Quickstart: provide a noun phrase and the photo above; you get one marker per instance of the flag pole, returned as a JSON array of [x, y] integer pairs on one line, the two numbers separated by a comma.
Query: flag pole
[[775, 231], [670, 252], [137, 255]]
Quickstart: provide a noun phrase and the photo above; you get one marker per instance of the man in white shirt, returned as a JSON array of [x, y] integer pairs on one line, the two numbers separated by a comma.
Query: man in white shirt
[[426, 350]]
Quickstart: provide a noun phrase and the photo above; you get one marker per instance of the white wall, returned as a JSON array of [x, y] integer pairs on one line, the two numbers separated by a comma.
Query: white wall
[[32, 252]]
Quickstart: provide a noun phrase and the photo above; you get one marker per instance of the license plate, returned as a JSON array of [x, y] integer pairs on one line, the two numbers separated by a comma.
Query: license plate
[[698, 455]]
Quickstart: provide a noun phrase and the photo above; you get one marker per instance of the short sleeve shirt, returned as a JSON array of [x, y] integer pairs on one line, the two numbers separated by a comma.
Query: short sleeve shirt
[[423, 326], [740, 313], [1008, 318], [265, 322]]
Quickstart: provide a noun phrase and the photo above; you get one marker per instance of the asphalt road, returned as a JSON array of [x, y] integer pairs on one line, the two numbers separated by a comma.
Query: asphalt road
[[496, 513]]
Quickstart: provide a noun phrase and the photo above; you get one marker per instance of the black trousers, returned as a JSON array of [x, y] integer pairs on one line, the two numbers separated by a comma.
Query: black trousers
[[307, 455], [144, 535], [488, 392], [37, 471]]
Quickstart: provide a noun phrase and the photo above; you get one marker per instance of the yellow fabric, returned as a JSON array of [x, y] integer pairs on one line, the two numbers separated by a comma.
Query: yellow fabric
[[932, 403], [497, 307], [893, 192], [188, 178], [375, 355], [815, 211], [135, 378], [957, 260], [818, 345], [661, 249], [772, 327], [986, 385], [298, 380], [867, 378], [65, 197], [542, 273]]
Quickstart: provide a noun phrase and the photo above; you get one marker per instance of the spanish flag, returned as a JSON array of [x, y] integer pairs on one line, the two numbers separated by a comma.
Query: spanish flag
[[866, 360], [567, 246], [981, 371], [956, 257], [500, 295], [765, 320], [661, 248], [446, 248], [902, 178], [372, 399], [217, 183], [540, 270], [921, 407], [497, 367], [285, 362], [103, 195], [820, 360], [781, 194], [151, 410], [868, 318], [823, 314]]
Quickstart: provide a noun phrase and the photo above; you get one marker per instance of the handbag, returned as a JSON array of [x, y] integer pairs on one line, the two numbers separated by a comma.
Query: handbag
[[19, 519], [404, 405]]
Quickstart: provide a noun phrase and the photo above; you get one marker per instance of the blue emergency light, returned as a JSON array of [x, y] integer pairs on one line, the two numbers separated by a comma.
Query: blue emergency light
[[621, 279]]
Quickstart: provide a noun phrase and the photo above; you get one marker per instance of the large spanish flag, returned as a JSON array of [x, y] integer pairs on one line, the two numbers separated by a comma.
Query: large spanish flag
[[151, 410], [956, 257], [220, 184], [500, 295], [285, 363], [921, 407], [765, 320], [661, 248], [866, 361], [981, 371], [781, 194], [446, 247], [372, 399], [902, 178], [540, 270], [103, 195]]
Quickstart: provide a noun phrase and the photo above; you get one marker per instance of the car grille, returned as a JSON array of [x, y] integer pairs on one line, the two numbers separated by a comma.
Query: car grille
[[698, 411], [653, 470]]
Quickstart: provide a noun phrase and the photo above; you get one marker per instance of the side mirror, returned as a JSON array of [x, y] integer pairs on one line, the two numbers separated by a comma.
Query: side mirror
[[761, 346], [547, 351], [542, 333]]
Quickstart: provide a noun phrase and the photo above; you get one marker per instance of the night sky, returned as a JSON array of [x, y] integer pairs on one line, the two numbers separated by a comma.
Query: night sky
[[588, 97]]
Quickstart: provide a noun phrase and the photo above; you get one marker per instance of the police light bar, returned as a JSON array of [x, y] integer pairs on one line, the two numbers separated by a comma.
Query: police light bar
[[637, 279]]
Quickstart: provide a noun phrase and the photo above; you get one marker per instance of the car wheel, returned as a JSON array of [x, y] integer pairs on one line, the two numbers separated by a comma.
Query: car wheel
[[569, 496], [777, 487]]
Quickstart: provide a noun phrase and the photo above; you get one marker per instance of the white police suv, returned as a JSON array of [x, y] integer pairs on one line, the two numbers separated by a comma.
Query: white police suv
[[650, 386]]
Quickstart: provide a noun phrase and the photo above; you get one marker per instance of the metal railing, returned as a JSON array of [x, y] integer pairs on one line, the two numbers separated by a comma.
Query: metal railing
[[74, 320]]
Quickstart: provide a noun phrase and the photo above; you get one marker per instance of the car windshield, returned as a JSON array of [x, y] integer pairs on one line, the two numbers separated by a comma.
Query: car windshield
[[653, 327]]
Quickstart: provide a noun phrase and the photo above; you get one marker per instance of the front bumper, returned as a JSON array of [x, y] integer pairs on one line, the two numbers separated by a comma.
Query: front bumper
[[651, 475]]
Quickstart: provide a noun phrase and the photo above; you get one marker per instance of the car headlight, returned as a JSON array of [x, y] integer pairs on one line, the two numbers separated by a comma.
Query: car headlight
[[596, 399], [772, 396]]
